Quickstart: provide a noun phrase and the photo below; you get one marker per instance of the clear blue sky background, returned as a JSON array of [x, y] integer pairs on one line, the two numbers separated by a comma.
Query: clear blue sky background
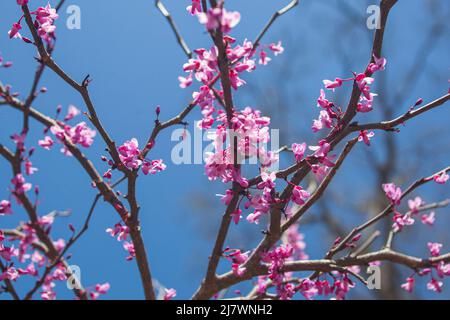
[[131, 54]]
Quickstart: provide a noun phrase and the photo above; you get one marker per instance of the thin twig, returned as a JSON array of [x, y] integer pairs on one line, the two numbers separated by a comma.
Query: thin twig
[[174, 27]]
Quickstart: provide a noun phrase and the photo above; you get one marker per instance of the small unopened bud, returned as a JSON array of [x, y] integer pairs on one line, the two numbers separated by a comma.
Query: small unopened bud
[[158, 111], [58, 109], [43, 90], [71, 227], [418, 102], [357, 237], [150, 145]]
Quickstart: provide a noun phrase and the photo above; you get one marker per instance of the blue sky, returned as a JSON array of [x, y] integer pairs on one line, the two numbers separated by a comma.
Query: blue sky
[[132, 57]]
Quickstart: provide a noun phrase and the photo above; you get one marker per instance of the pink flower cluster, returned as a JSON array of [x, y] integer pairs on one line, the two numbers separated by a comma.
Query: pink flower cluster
[[80, 134], [131, 157], [122, 232], [330, 115], [237, 258], [44, 22], [276, 259], [251, 132], [393, 193], [441, 270]]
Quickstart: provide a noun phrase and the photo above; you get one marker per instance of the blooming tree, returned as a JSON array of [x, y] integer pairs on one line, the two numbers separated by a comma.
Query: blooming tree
[[276, 266]]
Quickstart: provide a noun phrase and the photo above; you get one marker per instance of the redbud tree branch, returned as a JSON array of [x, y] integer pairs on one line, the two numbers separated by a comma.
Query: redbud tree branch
[[51, 252], [392, 124], [133, 223], [210, 281], [160, 6], [389, 209], [9, 286]]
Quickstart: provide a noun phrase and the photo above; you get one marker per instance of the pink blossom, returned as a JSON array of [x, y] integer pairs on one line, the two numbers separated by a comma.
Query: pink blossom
[[299, 196], [254, 217], [435, 285], [108, 174], [29, 270], [81, 134], [153, 167], [229, 20], [322, 149], [20, 186], [47, 143], [218, 17], [38, 258], [415, 204], [236, 214], [5, 207], [428, 219], [170, 293], [71, 113], [298, 150], [120, 231], [237, 256], [268, 180], [363, 83], [19, 140], [324, 121], [238, 270], [443, 269], [322, 101], [263, 58], [14, 32], [319, 171], [129, 154], [185, 81], [226, 199], [378, 65], [308, 289], [409, 284], [365, 136], [235, 81], [29, 169], [46, 220], [365, 105], [10, 274], [8, 253], [102, 288], [195, 8], [400, 221], [277, 258], [130, 248], [333, 84], [48, 295], [296, 239], [435, 248], [321, 152], [393, 193], [441, 178], [276, 48], [59, 244]]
